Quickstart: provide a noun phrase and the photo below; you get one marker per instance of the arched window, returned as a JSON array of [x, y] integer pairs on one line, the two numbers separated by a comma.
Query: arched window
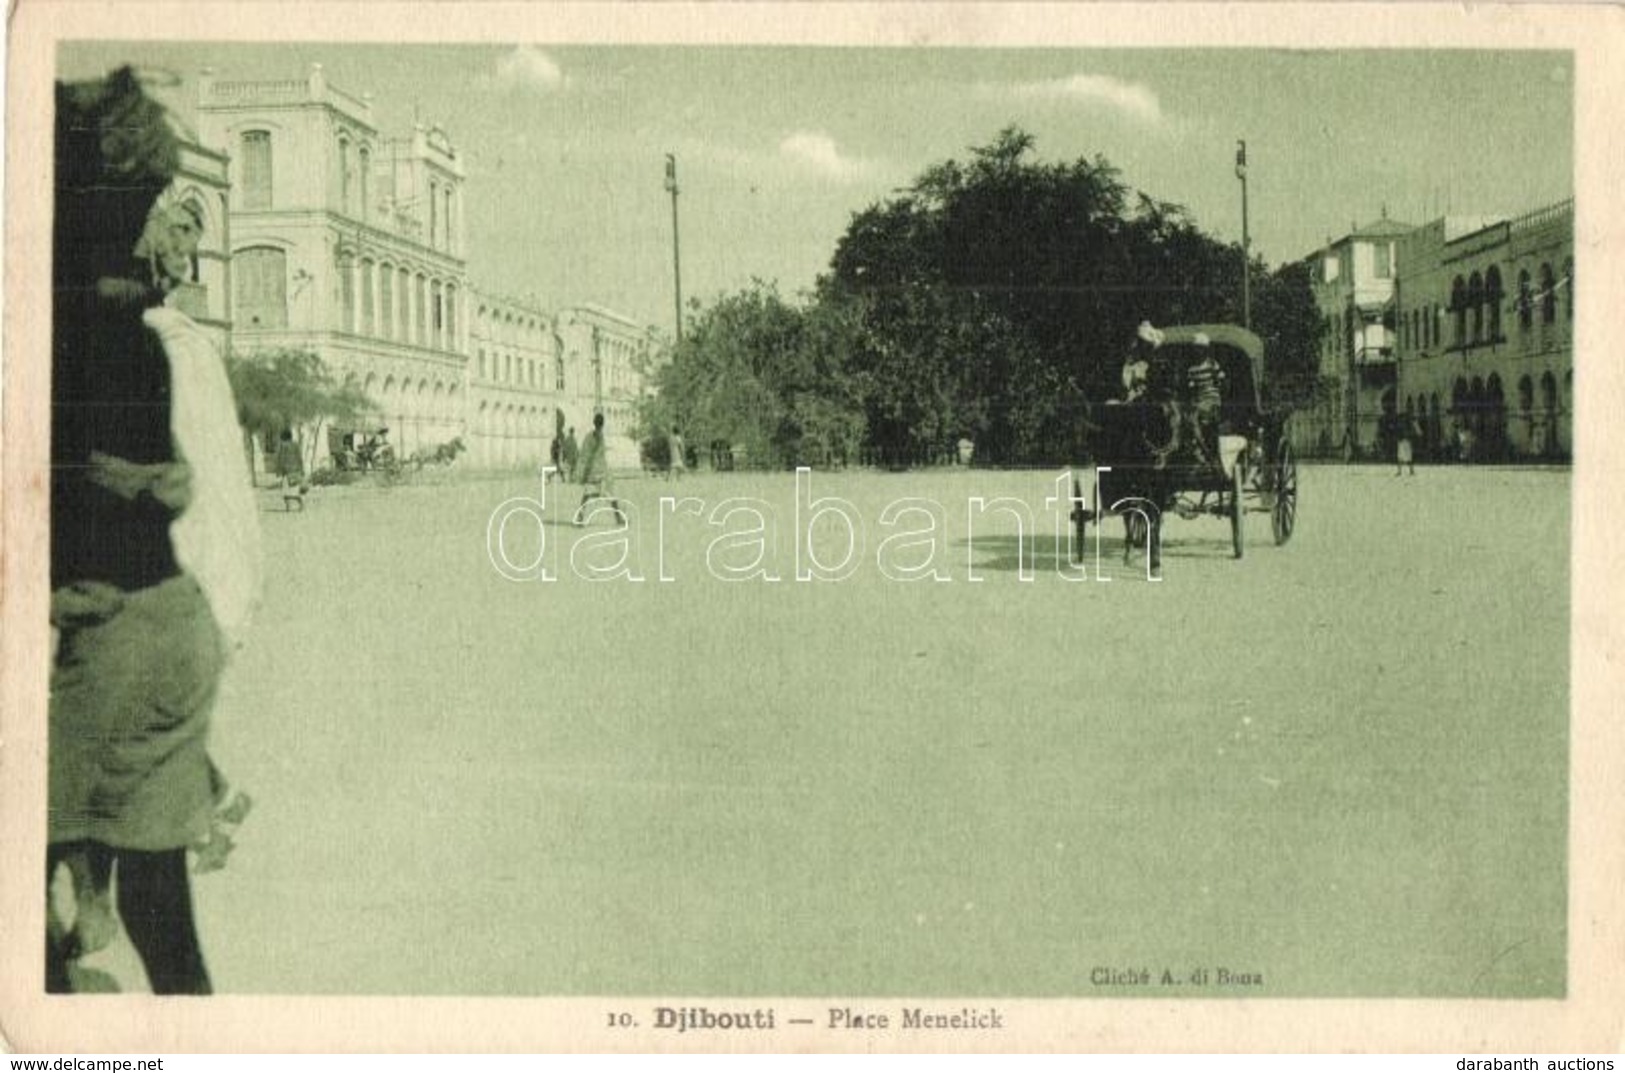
[[364, 181], [437, 315], [1458, 306], [256, 177], [448, 216], [1475, 307], [1492, 302], [1548, 393], [260, 279], [1568, 285], [1526, 394], [452, 342], [345, 269], [369, 323], [1526, 303], [386, 301], [482, 363], [434, 214], [345, 178], [1548, 295], [422, 294]]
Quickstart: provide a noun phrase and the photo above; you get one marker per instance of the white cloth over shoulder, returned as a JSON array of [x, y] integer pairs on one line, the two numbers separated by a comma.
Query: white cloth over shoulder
[[217, 537]]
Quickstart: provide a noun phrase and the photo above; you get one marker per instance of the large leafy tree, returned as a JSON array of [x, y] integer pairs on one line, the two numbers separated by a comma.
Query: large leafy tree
[[1000, 292], [289, 388], [993, 298], [769, 377], [1286, 318]]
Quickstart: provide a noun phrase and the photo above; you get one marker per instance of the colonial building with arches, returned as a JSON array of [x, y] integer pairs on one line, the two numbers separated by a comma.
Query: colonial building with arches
[[608, 359], [1485, 348], [347, 243], [512, 381]]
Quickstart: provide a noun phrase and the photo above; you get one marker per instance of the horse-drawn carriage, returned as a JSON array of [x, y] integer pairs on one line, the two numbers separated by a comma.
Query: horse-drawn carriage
[[1163, 450]]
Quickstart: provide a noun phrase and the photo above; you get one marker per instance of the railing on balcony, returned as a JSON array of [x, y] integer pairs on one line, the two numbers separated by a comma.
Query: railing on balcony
[[1542, 217], [287, 91]]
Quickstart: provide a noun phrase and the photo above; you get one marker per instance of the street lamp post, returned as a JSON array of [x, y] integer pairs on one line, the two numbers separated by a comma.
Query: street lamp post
[[676, 256], [1246, 243]]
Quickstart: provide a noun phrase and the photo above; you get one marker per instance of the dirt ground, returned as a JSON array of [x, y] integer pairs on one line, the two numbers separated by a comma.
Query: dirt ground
[[1338, 766]]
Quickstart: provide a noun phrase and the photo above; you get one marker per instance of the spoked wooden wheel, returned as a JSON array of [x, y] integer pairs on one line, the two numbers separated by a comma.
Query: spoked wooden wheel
[[1284, 512], [1080, 519], [1237, 506]]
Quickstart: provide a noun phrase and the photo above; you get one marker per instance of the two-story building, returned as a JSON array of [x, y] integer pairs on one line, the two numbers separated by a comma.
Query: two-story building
[[1354, 288], [1485, 313], [606, 357], [516, 382]]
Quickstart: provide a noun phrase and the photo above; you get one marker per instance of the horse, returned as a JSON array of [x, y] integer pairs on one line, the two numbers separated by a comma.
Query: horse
[[1135, 445], [441, 455]]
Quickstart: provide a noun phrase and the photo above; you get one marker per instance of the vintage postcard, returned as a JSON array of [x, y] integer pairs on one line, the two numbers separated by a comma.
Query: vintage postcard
[[812, 527]]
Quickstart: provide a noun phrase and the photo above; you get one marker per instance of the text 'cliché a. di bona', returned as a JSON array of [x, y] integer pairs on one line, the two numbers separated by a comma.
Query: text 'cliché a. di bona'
[[1142, 977]]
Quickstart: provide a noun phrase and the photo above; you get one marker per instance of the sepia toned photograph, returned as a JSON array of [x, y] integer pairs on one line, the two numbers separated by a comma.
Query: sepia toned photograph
[[806, 544]]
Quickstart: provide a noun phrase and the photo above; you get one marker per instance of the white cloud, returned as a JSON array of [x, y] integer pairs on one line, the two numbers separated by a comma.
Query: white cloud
[[529, 68], [818, 150], [1131, 98]]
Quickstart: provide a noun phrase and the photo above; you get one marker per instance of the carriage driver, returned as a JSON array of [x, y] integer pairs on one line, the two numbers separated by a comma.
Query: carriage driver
[[1204, 383]]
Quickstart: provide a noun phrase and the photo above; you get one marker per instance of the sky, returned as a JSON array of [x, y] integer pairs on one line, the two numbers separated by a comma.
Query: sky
[[777, 147]]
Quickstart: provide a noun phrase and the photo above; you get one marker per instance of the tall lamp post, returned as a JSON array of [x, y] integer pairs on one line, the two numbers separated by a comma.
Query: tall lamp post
[[676, 256], [1246, 243]]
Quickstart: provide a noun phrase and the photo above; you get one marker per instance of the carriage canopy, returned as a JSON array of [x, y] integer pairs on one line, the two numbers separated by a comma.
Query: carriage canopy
[[1238, 351]]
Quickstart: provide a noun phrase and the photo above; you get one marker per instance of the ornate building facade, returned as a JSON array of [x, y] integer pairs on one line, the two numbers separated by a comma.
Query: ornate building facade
[[341, 240]]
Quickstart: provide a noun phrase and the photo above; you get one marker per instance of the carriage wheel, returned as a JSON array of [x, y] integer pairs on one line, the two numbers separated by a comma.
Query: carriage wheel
[[1238, 508], [1284, 513], [1080, 518]]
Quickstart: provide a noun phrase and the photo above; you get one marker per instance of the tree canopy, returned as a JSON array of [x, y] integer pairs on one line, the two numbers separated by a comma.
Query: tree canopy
[[771, 378], [992, 299], [288, 388]]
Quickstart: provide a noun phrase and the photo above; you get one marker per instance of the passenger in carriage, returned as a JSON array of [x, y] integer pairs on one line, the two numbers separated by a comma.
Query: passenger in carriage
[[1137, 367]]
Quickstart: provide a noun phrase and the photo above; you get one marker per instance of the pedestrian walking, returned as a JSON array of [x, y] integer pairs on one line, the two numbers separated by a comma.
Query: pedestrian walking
[[679, 456], [1405, 448], [594, 474], [290, 467], [555, 456], [154, 544], [572, 455]]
